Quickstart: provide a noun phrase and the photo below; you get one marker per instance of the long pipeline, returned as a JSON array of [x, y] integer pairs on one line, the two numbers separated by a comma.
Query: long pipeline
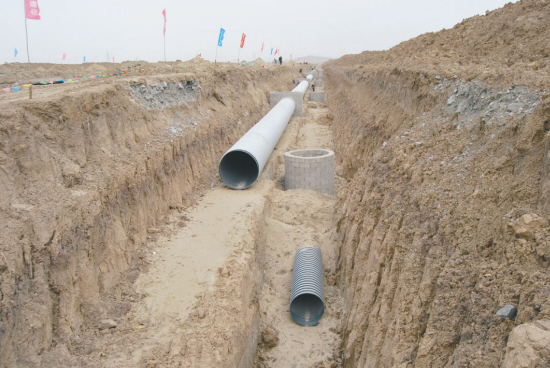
[[303, 85], [241, 165]]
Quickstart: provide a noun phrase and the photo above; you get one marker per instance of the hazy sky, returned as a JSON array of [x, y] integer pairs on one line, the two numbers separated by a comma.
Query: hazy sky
[[130, 29]]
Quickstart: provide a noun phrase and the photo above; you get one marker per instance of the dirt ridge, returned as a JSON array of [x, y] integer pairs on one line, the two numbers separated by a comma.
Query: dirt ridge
[[444, 157]]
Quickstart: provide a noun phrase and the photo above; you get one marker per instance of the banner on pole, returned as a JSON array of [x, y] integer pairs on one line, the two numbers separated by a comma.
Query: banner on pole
[[276, 51], [242, 40], [16, 53], [84, 59], [64, 56], [220, 39], [262, 50], [164, 29], [32, 11], [272, 51]]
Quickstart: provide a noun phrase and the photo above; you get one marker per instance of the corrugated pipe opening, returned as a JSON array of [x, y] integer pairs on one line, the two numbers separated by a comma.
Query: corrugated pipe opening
[[239, 169], [307, 299]]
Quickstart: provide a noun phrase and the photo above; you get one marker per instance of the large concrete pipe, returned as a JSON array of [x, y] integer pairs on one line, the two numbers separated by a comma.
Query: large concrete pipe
[[241, 166], [303, 85], [307, 297]]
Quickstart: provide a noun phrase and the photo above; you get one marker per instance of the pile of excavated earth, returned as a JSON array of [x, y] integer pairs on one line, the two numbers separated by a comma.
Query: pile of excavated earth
[[122, 247]]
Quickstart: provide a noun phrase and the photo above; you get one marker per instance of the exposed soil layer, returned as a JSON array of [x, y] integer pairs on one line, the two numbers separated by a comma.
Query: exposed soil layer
[[443, 140]]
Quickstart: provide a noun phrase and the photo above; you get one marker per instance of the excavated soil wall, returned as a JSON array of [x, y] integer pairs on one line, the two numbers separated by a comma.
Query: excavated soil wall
[[86, 174], [444, 215]]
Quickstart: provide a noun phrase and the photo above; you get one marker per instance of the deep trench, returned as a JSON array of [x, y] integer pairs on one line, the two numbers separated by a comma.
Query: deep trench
[[281, 221]]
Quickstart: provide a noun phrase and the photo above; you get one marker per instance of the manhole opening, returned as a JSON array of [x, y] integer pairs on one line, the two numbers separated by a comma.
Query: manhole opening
[[310, 153]]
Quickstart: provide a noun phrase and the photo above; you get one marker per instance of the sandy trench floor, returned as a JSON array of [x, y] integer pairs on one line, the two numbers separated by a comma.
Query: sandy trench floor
[[185, 266]]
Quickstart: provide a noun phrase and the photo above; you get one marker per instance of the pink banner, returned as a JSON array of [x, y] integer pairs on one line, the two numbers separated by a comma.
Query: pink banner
[[64, 56], [242, 40], [164, 29], [262, 47], [32, 11]]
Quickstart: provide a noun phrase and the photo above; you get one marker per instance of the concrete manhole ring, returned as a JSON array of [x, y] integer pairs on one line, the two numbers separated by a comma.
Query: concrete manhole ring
[[310, 169]]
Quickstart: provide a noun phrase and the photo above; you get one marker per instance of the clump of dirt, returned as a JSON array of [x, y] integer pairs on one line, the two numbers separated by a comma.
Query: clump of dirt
[[443, 141], [269, 337]]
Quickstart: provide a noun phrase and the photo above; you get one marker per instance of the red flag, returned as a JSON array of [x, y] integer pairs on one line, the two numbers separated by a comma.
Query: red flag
[[290, 56], [64, 56], [32, 11], [242, 40], [276, 51], [164, 29], [262, 47]]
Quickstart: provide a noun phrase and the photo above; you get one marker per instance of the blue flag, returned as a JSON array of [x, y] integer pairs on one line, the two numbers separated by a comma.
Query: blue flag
[[16, 53], [84, 59], [272, 51], [220, 39]]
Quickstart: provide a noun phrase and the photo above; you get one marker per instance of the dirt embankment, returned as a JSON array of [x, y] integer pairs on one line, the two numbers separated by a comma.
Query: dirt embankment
[[444, 141], [86, 171], [20, 73]]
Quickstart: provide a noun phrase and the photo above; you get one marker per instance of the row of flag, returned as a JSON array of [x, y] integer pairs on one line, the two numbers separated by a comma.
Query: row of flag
[[32, 11], [243, 37]]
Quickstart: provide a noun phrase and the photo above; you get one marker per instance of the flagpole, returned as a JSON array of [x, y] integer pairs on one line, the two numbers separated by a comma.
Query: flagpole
[[164, 35], [216, 57], [26, 34]]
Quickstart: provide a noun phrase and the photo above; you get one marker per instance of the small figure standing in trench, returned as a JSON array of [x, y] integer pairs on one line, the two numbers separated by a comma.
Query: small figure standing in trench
[[280, 60], [313, 86]]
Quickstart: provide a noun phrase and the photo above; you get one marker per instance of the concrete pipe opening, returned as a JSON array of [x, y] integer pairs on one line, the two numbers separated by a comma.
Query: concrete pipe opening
[[239, 169]]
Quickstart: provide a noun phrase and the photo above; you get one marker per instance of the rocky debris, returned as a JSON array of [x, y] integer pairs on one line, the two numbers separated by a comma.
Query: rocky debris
[[528, 346], [527, 225], [508, 311], [176, 206], [471, 102], [162, 95], [106, 324], [180, 127], [270, 337]]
